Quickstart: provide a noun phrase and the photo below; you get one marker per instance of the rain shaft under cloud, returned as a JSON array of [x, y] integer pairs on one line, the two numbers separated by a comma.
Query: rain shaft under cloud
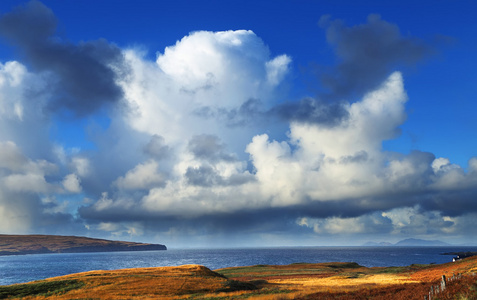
[[204, 144]]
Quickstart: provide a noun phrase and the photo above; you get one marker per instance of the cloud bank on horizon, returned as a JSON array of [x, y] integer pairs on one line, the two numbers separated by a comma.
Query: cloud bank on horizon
[[203, 144]]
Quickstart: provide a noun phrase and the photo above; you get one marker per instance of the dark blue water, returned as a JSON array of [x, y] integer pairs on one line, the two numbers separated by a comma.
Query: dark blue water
[[24, 268]]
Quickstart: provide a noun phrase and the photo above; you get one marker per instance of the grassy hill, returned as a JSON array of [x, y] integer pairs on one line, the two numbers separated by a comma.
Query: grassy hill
[[295, 281], [35, 244]]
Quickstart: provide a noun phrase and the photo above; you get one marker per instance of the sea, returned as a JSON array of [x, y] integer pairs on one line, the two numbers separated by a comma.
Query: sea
[[26, 268]]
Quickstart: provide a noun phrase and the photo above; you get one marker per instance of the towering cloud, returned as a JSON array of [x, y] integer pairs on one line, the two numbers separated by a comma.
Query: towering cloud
[[201, 142], [317, 159], [205, 79], [332, 179]]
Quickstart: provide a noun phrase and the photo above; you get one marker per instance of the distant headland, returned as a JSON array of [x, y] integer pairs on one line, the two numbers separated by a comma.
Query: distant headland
[[39, 244], [409, 242]]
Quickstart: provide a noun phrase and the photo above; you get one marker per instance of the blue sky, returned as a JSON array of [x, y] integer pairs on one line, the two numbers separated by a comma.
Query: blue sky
[[205, 123]]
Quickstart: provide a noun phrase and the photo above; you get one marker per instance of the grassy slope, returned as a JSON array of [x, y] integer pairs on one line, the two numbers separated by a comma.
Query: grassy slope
[[296, 281], [25, 244]]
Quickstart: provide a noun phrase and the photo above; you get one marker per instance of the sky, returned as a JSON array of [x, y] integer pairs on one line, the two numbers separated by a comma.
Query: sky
[[239, 123]]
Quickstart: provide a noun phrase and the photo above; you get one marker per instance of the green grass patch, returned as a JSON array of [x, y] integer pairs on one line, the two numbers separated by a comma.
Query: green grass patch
[[45, 288], [273, 270], [350, 265], [354, 275], [251, 295], [422, 266], [266, 271], [396, 270], [233, 286], [391, 270], [251, 269]]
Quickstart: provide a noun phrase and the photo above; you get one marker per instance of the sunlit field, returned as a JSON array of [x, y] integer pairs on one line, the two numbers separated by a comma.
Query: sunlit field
[[295, 281]]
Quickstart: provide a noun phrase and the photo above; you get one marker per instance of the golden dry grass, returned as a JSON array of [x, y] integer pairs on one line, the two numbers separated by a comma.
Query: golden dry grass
[[296, 281], [346, 283], [142, 283]]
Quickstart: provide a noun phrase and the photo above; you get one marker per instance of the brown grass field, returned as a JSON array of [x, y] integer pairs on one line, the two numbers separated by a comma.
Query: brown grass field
[[295, 281]]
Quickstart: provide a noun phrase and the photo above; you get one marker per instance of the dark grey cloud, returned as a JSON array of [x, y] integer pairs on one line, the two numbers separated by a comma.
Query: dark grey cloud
[[366, 54], [447, 203], [157, 147], [204, 176], [83, 75], [251, 112], [246, 220], [254, 219], [311, 111], [247, 225], [358, 157], [207, 176], [283, 220], [209, 148], [452, 203]]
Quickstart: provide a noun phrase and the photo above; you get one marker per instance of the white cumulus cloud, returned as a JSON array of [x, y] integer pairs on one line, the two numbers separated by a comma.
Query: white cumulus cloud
[[143, 176], [72, 183], [202, 75]]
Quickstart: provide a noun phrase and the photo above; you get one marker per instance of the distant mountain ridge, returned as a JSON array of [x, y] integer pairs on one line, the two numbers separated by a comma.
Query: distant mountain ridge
[[419, 242], [409, 242], [38, 244]]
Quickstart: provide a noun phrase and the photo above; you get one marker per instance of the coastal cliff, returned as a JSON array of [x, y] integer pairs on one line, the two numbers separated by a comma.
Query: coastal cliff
[[38, 244]]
